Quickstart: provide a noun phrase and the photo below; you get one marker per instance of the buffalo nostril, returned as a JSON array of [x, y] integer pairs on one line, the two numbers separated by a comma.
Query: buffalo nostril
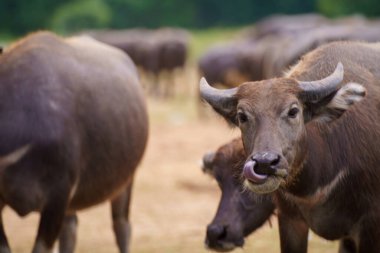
[[265, 162], [275, 161], [216, 232]]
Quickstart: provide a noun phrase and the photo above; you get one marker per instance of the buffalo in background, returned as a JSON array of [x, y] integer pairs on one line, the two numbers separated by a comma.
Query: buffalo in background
[[155, 52], [272, 45]]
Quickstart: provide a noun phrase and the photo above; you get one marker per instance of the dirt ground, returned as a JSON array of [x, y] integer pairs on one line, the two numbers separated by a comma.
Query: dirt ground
[[173, 200]]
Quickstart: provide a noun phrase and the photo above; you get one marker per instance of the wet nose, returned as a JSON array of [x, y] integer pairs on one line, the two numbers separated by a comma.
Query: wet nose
[[265, 162], [216, 232]]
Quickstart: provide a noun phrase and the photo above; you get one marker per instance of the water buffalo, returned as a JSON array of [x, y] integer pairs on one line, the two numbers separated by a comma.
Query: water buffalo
[[74, 127], [286, 50], [313, 145], [153, 51], [229, 65], [240, 212], [287, 24], [172, 47]]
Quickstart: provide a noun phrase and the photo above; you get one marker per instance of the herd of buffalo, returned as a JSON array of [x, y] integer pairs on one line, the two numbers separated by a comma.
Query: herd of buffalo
[[74, 127], [276, 43]]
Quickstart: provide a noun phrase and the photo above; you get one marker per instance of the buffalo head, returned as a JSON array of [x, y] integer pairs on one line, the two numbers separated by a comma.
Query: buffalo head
[[272, 114], [239, 212]]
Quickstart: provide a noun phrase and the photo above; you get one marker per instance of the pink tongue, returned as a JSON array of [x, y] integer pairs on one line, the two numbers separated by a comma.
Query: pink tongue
[[250, 174]]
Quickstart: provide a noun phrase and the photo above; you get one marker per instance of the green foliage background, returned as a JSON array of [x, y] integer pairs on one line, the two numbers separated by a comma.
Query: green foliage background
[[18, 17]]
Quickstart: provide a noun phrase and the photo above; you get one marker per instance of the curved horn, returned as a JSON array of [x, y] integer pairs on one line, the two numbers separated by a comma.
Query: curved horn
[[215, 96], [222, 101], [317, 90]]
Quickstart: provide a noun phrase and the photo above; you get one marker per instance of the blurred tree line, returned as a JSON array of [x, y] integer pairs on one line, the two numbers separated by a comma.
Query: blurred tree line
[[21, 16]]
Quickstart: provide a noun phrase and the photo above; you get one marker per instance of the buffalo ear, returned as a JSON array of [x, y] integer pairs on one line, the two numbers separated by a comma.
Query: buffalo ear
[[334, 105], [229, 111], [208, 162]]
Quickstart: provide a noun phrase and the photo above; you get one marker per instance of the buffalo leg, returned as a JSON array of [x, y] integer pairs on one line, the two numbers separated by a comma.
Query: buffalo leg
[[168, 84], [369, 235], [347, 245], [120, 219], [293, 234], [51, 220], [4, 246], [68, 235]]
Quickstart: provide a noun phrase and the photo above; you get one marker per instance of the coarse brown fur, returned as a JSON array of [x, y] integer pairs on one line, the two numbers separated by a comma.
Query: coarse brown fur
[[78, 104]]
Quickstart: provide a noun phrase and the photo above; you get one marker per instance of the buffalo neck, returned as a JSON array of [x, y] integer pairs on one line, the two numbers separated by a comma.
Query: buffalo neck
[[319, 167]]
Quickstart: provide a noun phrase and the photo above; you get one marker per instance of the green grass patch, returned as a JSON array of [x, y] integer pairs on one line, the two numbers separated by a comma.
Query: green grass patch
[[6, 39]]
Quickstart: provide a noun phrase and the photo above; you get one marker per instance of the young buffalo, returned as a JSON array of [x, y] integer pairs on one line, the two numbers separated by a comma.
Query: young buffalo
[[239, 212], [310, 144]]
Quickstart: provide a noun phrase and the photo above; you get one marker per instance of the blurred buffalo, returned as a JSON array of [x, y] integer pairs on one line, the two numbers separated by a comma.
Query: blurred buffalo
[[153, 51]]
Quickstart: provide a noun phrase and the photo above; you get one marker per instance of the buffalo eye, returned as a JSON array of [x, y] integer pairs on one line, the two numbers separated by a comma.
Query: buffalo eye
[[242, 117], [293, 112]]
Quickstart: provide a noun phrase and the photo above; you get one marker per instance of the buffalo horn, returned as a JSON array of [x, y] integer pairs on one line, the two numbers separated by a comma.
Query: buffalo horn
[[314, 91], [215, 97]]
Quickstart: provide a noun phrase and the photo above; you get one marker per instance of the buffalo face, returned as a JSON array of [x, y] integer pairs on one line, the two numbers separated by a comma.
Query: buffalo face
[[272, 114], [239, 212]]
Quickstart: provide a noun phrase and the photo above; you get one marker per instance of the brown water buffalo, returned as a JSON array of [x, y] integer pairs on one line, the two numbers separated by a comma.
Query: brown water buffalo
[[153, 51], [229, 65], [286, 50], [312, 145], [240, 212], [172, 45], [73, 127], [288, 24], [277, 43]]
